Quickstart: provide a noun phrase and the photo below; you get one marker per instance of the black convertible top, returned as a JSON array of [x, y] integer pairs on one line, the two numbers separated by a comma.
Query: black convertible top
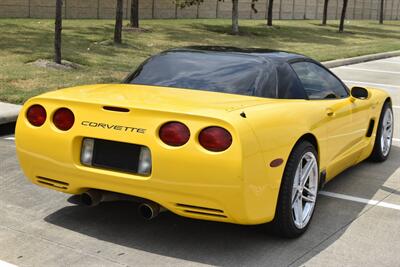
[[276, 56], [250, 71]]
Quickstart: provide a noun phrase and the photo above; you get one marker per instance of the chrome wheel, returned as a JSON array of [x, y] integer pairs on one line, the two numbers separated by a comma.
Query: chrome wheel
[[304, 191], [387, 132]]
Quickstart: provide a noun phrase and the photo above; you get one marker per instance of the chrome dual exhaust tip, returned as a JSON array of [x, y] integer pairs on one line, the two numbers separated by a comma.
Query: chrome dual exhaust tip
[[91, 198], [147, 210], [94, 197]]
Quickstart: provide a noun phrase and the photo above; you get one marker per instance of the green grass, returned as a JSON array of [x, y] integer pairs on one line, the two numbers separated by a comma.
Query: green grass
[[26, 40]]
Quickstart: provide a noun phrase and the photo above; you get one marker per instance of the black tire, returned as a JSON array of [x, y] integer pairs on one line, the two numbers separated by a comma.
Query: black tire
[[283, 223], [377, 154]]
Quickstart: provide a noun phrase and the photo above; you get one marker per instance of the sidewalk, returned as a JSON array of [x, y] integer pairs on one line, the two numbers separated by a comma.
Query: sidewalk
[[8, 112]]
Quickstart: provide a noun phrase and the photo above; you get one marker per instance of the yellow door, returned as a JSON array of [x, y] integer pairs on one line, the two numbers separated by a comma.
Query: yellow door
[[323, 86], [340, 137]]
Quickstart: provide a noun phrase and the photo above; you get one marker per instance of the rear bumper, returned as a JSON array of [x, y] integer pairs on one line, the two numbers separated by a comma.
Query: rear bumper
[[215, 202], [78, 179]]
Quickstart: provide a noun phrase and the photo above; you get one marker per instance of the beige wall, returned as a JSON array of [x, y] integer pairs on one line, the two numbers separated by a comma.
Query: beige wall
[[283, 9]]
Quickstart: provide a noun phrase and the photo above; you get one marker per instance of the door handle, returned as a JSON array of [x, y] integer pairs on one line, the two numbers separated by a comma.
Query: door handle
[[330, 112]]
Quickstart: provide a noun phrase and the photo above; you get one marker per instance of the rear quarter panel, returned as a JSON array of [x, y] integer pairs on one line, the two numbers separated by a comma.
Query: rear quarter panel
[[277, 127]]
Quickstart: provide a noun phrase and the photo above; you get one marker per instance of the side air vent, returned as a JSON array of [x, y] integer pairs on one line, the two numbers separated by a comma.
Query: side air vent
[[370, 128], [201, 210], [53, 183]]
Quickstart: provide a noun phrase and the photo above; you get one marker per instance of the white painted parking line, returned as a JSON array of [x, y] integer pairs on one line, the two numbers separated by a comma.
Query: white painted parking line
[[396, 107], [373, 84], [396, 139], [371, 70], [361, 200], [391, 62], [9, 138], [6, 264]]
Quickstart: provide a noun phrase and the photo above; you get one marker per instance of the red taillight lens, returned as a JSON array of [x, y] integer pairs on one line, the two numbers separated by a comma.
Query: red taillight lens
[[215, 139], [174, 133], [36, 115], [63, 119]]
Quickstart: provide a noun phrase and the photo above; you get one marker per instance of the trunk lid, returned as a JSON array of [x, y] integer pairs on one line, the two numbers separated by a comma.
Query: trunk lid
[[156, 98]]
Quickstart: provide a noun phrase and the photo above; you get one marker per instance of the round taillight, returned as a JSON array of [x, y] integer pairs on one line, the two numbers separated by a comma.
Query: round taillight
[[215, 139], [36, 115], [174, 133], [63, 119]]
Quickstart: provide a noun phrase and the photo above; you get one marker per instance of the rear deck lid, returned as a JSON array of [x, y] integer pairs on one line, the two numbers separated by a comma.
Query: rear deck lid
[[155, 98]]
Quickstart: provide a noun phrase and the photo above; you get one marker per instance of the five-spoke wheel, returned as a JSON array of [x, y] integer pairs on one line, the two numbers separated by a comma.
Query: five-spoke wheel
[[384, 134], [305, 188], [387, 132], [299, 189]]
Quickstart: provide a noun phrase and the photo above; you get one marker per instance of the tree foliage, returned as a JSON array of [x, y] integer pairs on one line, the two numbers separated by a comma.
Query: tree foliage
[[186, 3]]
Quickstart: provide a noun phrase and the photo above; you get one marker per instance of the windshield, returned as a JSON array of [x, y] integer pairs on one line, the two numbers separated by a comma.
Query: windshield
[[218, 72]]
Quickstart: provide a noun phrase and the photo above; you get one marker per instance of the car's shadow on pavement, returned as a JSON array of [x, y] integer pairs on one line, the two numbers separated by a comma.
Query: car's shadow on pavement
[[227, 244]]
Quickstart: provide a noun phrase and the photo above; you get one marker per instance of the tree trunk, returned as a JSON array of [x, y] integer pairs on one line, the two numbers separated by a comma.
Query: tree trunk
[[325, 15], [343, 16], [381, 12], [57, 32], [270, 6], [235, 17], [118, 22], [135, 14]]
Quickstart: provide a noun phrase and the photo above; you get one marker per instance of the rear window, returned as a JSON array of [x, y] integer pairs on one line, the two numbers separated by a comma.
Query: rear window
[[218, 72]]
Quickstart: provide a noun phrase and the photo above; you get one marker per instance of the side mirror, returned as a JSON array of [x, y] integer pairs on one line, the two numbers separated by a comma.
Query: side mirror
[[359, 93]]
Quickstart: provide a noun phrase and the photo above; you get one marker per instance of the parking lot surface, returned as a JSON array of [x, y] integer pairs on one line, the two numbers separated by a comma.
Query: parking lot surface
[[356, 222]]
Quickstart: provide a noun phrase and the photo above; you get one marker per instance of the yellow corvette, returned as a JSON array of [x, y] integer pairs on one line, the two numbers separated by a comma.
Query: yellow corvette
[[212, 133]]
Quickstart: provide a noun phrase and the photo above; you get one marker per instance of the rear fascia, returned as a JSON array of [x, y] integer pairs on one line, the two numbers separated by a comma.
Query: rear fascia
[[187, 175]]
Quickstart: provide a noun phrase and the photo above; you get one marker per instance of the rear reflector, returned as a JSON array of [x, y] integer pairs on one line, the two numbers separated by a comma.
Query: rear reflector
[[87, 151], [215, 139], [36, 115], [63, 119], [144, 167], [174, 133]]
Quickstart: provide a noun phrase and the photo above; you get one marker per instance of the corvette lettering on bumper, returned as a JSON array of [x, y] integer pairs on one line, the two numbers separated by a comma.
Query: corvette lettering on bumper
[[113, 127]]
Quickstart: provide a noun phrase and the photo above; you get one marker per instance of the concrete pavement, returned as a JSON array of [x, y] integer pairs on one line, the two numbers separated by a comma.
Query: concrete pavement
[[38, 227]]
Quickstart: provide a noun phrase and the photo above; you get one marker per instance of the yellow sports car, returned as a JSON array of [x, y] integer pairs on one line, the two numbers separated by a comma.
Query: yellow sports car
[[213, 133]]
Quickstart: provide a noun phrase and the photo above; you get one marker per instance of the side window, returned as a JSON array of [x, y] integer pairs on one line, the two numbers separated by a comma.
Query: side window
[[318, 82], [289, 85], [267, 87]]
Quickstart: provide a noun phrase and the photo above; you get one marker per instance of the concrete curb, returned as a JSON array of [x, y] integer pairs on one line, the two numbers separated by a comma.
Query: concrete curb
[[8, 112], [354, 60]]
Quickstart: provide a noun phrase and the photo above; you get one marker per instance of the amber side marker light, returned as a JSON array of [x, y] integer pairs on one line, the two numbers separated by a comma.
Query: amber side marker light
[[63, 119], [276, 162], [36, 115], [174, 133], [215, 139]]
